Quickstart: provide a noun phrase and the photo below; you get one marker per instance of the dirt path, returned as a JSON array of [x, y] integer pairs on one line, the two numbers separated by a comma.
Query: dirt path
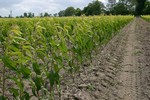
[[128, 73], [142, 56], [135, 72]]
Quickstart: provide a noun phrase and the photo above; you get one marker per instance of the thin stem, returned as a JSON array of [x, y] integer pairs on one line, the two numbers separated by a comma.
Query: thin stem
[[3, 89], [20, 91]]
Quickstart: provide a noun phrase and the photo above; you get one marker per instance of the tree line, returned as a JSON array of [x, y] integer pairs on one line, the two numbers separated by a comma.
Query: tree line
[[122, 7]]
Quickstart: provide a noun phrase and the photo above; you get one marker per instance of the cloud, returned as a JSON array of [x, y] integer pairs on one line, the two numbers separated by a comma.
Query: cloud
[[37, 6], [8, 3]]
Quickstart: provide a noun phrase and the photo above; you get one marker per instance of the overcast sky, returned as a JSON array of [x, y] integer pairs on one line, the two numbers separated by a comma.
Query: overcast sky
[[18, 7]]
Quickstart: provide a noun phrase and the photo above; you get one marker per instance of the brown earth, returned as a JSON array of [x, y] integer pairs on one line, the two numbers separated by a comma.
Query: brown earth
[[119, 71]]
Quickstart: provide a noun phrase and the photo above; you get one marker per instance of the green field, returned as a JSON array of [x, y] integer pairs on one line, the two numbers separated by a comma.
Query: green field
[[36, 50], [146, 17]]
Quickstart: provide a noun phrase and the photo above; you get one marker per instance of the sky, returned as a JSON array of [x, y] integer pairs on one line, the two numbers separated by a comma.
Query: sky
[[18, 7]]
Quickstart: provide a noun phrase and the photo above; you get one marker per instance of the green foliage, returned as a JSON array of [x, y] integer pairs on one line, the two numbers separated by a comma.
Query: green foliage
[[139, 7], [70, 11], [61, 13], [46, 14], [146, 10], [146, 17], [2, 98], [121, 9], [94, 8], [37, 50], [78, 12], [9, 63]]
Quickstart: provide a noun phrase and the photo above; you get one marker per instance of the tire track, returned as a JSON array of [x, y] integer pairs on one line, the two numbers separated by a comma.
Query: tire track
[[135, 73], [128, 73]]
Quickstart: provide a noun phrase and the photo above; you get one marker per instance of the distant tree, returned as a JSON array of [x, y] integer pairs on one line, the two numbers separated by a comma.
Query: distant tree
[[129, 4], [29, 15], [146, 10], [46, 14], [55, 15], [21, 16], [122, 7], [50, 15], [98, 7], [0, 16], [139, 7], [61, 13], [119, 9], [25, 15], [70, 11], [9, 16], [41, 14], [111, 4], [94, 8], [78, 12], [32, 14]]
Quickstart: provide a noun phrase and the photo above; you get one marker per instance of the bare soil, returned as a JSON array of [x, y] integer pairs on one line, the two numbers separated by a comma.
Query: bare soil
[[120, 70]]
